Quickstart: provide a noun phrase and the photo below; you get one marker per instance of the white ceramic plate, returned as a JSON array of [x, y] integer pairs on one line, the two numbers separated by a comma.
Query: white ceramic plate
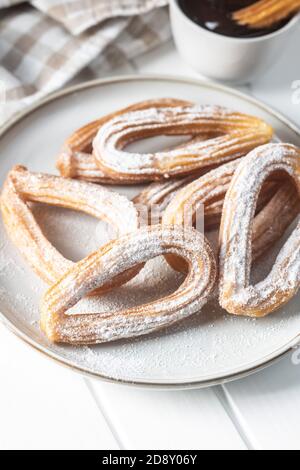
[[210, 347]]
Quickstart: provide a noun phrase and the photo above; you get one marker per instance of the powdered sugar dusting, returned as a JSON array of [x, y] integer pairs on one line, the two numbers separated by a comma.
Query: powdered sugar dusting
[[22, 186], [125, 254], [206, 342], [235, 253], [241, 133], [209, 344]]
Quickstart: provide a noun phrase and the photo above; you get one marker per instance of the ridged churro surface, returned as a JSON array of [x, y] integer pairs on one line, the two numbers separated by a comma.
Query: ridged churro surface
[[22, 187], [76, 159], [110, 261], [240, 134], [208, 193], [266, 13], [237, 295]]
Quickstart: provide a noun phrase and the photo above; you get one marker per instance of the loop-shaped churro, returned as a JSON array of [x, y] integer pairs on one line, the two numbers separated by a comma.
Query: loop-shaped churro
[[76, 159], [111, 260], [240, 134], [209, 192], [266, 13], [237, 295], [22, 186]]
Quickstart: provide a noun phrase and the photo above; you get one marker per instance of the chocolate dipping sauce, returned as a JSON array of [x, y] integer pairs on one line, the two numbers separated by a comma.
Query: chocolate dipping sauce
[[216, 16]]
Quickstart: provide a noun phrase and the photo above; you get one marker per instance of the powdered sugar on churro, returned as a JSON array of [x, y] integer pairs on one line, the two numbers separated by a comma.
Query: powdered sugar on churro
[[241, 134], [21, 187], [282, 283], [202, 344], [125, 254]]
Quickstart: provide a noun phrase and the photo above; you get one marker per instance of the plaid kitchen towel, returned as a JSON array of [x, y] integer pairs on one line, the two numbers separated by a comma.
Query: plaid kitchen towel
[[79, 15], [43, 47]]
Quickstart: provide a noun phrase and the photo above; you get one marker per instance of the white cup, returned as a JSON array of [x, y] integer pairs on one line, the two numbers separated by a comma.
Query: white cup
[[237, 60]]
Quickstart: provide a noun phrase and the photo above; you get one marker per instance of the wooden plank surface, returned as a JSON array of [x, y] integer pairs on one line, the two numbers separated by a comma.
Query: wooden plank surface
[[146, 419], [267, 406], [45, 406]]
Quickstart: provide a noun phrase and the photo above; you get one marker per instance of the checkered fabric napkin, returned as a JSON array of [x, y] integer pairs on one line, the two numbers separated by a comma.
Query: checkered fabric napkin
[[79, 15], [46, 44]]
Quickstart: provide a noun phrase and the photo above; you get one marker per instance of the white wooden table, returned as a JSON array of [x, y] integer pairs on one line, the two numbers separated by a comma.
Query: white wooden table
[[44, 406]]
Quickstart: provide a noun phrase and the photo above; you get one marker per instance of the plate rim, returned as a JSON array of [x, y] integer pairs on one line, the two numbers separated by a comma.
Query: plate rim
[[168, 385]]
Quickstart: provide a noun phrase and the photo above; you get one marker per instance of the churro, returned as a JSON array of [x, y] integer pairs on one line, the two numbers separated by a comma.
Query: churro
[[237, 295], [22, 187], [241, 133], [266, 13], [119, 256]]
